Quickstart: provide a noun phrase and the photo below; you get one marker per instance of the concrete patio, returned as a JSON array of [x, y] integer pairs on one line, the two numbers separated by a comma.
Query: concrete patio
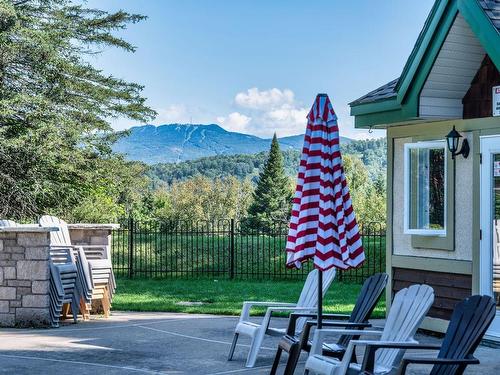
[[152, 343]]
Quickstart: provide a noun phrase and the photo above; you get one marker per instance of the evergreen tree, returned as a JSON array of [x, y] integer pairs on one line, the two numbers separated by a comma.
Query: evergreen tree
[[272, 197], [55, 107]]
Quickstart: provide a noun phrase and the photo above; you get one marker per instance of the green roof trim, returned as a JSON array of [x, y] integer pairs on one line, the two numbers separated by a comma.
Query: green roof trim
[[418, 52], [403, 104]]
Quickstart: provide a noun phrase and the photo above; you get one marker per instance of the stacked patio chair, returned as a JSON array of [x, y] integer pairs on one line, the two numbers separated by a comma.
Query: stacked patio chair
[[63, 285], [307, 302], [94, 267], [56, 292], [408, 309], [468, 324], [365, 304]]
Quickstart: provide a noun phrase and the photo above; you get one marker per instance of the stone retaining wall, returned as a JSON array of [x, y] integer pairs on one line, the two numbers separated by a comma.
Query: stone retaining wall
[[24, 277]]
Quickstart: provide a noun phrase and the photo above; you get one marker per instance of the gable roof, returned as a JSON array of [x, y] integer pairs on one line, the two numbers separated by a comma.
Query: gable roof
[[397, 101]]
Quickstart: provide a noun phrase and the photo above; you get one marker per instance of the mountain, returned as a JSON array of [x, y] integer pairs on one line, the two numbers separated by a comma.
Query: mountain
[[174, 143]]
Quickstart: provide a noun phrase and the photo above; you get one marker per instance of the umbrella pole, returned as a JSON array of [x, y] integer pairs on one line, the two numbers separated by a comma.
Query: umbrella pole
[[320, 299]]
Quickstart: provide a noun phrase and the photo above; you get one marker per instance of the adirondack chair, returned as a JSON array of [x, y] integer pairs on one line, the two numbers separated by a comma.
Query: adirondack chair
[[307, 302], [94, 267], [408, 309], [468, 324], [63, 289], [365, 304]]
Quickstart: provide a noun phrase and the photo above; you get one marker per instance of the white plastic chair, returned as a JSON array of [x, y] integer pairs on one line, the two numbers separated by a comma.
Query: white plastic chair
[[94, 264], [307, 302], [408, 309]]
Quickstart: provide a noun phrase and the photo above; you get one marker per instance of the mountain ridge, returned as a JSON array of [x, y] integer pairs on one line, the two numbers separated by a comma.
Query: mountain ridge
[[174, 143]]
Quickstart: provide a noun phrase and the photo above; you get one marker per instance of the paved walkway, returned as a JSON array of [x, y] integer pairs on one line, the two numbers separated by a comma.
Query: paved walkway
[[149, 343]]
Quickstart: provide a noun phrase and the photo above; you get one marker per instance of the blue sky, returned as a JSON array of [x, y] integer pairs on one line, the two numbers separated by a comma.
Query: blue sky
[[255, 66]]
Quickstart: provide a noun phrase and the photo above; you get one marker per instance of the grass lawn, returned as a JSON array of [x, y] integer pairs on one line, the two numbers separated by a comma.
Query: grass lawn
[[224, 297]]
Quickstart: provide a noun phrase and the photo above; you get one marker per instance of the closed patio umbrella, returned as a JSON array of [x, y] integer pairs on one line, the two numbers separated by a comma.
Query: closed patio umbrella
[[323, 224]]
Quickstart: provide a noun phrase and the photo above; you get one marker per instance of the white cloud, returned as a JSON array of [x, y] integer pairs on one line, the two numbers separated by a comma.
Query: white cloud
[[235, 121], [264, 100], [270, 111], [172, 114]]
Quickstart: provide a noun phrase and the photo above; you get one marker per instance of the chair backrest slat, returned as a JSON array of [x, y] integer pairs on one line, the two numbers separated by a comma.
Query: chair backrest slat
[[60, 237], [468, 324], [309, 295], [408, 309], [370, 293]]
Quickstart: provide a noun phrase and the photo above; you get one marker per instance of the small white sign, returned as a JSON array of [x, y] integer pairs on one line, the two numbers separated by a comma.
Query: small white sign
[[496, 169], [496, 101]]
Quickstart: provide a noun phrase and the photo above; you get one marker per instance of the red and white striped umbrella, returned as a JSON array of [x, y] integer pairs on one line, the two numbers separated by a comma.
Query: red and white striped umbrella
[[323, 225]]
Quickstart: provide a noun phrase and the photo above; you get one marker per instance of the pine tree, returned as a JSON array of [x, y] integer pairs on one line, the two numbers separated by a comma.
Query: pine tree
[[272, 197], [55, 106]]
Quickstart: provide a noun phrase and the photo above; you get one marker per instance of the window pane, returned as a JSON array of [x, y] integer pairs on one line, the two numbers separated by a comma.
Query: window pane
[[427, 188]]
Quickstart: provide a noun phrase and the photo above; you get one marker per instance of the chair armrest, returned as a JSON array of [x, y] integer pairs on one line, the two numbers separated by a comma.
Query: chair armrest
[[372, 347], [339, 324], [247, 305], [292, 323], [435, 361], [336, 316], [320, 334]]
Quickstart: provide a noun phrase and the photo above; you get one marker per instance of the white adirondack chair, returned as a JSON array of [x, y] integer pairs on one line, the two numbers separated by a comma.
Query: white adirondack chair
[[307, 302], [407, 311], [94, 263]]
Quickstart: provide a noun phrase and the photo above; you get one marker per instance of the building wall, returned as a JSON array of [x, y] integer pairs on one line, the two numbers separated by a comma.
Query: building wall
[[24, 279], [459, 265], [402, 243]]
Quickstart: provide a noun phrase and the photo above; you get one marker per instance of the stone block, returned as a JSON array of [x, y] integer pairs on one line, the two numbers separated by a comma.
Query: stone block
[[37, 253], [7, 320], [8, 235], [7, 293], [99, 240], [9, 243], [9, 273], [33, 239], [8, 263], [1, 245], [36, 300], [4, 255], [32, 270], [32, 317], [19, 283], [4, 306], [14, 304], [1, 276], [23, 291], [16, 249], [17, 256], [40, 287]]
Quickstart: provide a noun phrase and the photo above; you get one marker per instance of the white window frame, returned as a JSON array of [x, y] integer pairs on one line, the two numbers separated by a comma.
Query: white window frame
[[407, 148]]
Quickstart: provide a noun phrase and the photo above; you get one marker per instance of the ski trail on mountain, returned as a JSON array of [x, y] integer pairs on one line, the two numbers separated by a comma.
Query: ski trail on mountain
[[189, 132]]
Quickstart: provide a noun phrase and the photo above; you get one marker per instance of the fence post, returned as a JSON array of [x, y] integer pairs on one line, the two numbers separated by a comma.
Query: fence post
[[231, 250], [131, 227]]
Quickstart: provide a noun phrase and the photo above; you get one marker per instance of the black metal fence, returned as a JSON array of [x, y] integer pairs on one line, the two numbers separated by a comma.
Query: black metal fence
[[224, 249]]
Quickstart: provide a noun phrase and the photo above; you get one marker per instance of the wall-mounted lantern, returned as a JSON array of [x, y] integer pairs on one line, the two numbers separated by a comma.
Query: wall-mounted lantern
[[453, 139]]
